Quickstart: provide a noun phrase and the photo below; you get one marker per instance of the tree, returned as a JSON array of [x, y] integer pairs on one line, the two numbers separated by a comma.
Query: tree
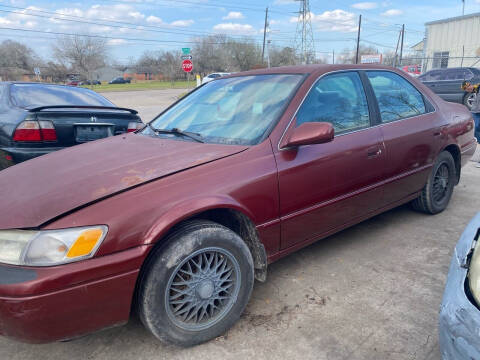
[[83, 54], [347, 56], [243, 54], [58, 72], [219, 53], [16, 59], [210, 54]]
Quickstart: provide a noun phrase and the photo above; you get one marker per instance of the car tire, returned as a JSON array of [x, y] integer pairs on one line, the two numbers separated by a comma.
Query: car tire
[[438, 190], [468, 99], [195, 286]]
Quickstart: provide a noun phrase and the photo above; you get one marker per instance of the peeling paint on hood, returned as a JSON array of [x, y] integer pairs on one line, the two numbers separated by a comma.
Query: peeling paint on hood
[[44, 188]]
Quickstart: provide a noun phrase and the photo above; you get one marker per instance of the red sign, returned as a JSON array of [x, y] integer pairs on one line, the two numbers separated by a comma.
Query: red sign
[[187, 65]]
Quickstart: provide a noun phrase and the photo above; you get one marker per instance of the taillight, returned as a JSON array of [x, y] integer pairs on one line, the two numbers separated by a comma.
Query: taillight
[[48, 130], [28, 131], [134, 126], [34, 131]]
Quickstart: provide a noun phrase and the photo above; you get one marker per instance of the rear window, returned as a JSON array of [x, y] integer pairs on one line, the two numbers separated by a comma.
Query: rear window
[[31, 95]]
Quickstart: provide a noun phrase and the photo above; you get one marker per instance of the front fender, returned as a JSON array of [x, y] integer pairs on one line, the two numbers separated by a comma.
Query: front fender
[[190, 208]]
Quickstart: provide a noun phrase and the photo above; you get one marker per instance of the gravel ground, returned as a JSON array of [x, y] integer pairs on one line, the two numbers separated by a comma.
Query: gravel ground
[[147, 103]]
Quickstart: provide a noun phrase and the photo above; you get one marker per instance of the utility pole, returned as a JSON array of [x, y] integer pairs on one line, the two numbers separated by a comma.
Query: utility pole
[[358, 38], [333, 56], [265, 33], [268, 53], [401, 46], [463, 7], [304, 44], [396, 49]]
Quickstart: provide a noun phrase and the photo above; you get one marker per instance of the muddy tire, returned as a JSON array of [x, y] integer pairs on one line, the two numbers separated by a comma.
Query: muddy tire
[[196, 286], [438, 190]]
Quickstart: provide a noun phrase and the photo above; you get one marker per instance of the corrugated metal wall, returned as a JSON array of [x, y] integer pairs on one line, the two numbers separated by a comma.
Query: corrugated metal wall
[[452, 36]]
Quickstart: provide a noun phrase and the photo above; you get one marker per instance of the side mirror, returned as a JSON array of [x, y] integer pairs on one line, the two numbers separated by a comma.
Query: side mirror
[[310, 133]]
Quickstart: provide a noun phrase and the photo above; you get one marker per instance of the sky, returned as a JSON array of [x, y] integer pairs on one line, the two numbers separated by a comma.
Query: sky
[[133, 26]]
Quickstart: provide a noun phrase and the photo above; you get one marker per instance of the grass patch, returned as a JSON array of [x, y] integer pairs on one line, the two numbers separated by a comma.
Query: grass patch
[[146, 85]]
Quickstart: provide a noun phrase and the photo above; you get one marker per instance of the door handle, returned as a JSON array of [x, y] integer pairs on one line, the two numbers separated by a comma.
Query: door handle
[[374, 152]]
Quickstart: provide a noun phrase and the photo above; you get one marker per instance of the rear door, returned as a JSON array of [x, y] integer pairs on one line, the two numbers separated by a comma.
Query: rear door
[[325, 186], [432, 79], [408, 128], [450, 87]]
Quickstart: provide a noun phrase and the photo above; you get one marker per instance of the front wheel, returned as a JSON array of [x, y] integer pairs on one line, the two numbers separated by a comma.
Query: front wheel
[[438, 190], [197, 286]]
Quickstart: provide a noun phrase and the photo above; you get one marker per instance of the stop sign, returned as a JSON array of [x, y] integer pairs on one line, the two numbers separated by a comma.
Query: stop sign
[[187, 65]]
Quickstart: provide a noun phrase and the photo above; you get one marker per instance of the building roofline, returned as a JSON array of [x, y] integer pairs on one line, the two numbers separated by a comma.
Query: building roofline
[[463, 17], [418, 43]]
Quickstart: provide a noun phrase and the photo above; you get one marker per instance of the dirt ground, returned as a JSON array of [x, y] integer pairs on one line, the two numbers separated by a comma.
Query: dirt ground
[[370, 292]]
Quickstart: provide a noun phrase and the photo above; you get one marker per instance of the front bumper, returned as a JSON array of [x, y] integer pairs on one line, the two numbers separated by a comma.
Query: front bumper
[[39, 305], [459, 323], [11, 155]]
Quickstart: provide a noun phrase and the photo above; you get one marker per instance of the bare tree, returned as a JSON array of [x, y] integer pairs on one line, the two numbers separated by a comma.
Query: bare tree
[[58, 72], [282, 56], [347, 56], [210, 54], [171, 65], [16, 59], [83, 54]]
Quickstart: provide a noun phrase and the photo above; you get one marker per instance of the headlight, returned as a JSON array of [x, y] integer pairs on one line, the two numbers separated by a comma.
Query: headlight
[[474, 274], [50, 247]]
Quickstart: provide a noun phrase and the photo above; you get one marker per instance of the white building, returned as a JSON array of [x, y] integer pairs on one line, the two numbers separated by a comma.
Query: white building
[[452, 42]]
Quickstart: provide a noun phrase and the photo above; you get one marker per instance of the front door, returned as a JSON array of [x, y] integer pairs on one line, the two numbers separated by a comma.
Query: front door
[[325, 186]]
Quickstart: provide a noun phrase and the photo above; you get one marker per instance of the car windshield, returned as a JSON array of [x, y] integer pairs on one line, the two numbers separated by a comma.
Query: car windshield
[[30, 95], [236, 110]]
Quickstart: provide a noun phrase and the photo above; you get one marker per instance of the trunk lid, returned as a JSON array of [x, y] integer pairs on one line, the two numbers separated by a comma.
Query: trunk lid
[[76, 126]]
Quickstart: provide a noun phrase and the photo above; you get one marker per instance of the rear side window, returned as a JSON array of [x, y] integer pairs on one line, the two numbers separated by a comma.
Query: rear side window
[[433, 75], [396, 97], [31, 95], [338, 99]]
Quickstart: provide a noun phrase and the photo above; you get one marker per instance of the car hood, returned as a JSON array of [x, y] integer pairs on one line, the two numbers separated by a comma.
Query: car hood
[[38, 190]]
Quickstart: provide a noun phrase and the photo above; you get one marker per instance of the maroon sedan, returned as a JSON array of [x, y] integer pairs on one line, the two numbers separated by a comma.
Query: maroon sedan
[[175, 221]]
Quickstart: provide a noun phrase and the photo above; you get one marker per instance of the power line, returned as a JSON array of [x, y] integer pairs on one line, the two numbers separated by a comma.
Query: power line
[[87, 21], [105, 37], [209, 4]]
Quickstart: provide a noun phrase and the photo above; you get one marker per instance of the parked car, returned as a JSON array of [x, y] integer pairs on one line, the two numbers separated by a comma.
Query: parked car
[[413, 70], [213, 76], [459, 325], [38, 118], [91, 82], [119, 80], [178, 219], [73, 82], [447, 83]]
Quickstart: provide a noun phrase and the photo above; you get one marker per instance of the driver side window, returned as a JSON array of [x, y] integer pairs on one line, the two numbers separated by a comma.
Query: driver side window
[[338, 99]]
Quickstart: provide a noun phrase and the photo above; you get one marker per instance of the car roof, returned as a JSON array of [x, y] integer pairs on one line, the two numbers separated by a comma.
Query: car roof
[[453, 68], [316, 69], [35, 83]]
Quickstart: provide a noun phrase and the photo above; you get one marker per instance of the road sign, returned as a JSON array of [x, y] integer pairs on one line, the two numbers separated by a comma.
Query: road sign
[[371, 59], [37, 71], [187, 57], [187, 65], [186, 51]]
